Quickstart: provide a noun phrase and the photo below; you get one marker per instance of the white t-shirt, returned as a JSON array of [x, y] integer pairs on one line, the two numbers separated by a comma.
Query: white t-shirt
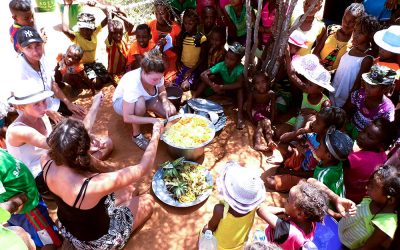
[[130, 88], [44, 77]]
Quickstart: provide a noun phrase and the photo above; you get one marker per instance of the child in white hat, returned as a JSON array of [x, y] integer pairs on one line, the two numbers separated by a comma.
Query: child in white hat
[[242, 192]]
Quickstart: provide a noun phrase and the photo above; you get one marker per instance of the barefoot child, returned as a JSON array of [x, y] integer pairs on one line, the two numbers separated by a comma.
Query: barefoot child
[[143, 44], [70, 70], [231, 72], [261, 108], [242, 192]]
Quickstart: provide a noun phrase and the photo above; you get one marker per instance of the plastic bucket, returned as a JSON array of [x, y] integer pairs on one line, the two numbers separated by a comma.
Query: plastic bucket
[[174, 95], [74, 10], [46, 5]]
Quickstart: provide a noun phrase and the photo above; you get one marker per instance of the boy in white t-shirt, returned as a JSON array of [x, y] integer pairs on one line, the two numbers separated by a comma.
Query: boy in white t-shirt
[[143, 90]]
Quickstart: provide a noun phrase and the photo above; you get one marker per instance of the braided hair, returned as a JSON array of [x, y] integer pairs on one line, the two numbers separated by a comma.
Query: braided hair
[[312, 201], [333, 116]]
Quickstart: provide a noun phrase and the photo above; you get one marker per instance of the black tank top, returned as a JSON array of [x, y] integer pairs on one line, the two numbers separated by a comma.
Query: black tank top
[[84, 224]]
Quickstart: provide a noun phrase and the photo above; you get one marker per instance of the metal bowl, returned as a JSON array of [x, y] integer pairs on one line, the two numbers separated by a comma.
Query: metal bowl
[[190, 153]]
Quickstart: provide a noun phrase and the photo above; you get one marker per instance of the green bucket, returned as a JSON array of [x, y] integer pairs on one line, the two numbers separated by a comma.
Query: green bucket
[[46, 5], [74, 10]]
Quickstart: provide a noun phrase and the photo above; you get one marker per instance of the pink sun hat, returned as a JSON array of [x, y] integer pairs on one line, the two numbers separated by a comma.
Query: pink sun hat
[[299, 39], [242, 188]]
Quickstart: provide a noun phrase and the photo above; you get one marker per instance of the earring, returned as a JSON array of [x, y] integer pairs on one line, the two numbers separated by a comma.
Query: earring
[[388, 197]]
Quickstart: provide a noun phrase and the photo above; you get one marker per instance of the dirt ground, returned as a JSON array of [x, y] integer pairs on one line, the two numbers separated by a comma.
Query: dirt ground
[[168, 228]]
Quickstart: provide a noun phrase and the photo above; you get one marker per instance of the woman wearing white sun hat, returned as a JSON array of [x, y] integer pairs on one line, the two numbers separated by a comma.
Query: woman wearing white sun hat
[[242, 192], [26, 136]]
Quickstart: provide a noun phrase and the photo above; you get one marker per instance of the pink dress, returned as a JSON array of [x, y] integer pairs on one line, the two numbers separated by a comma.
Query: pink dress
[[356, 176], [293, 239], [267, 20]]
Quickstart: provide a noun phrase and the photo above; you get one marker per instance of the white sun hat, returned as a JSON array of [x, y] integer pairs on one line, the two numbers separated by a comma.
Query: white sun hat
[[310, 68], [298, 38], [241, 188], [26, 92], [389, 39]]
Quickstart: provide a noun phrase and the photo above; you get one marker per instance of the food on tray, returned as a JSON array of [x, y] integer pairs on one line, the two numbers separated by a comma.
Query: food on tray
[[185, 180], [189, 132]]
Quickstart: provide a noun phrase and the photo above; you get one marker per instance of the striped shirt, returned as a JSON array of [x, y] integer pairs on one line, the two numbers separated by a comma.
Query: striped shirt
[[332, 177], [355, 231], [117, 55]]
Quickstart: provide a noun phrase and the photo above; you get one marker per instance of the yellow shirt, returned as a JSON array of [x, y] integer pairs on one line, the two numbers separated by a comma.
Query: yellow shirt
[[191, 53], [89, 47], [311, 35], [331, 44], [232, 232]]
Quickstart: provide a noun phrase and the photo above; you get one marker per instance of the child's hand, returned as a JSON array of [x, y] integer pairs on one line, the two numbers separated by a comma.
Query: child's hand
[[15, 203], [91, 3], [217, 88], [68, 2], [346, 207]]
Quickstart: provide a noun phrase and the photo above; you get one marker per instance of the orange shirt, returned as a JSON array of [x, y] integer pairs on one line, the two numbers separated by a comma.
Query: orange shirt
[[136, 49], [176, 29]]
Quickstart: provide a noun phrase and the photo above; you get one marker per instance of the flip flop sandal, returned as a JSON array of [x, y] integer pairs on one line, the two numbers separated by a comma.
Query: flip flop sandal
[[141, 141]]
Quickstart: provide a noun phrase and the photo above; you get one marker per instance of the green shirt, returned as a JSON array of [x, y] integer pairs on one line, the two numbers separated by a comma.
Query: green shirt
[[16, 178], [179, 8], [229, 78], [332, 177], [239, 22]]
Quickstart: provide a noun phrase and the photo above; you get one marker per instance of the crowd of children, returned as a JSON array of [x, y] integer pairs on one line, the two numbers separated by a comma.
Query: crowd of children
[[339, 83]]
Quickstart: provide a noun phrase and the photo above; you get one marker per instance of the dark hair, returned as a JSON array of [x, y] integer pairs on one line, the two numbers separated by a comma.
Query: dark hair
[[220, 30], [385, 128], [389, 176], [144, 27], [260, 74], [189, 13], [369, 24], [209, 8], [69, 144], [333, 116], [76, 48], [312, 201], [20, 5], [153, 62], [116, 24]]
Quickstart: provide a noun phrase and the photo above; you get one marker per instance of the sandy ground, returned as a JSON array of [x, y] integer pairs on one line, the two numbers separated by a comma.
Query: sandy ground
[[168, 228]]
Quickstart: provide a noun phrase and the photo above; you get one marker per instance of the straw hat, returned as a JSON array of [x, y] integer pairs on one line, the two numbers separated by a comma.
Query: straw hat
[[389, 39], [27, 92], [241, 188], [298, 38], [310, 68]]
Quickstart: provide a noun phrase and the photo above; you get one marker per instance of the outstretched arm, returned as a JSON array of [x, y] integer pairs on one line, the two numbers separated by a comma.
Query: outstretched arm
[[268, 214], [65, 20], [294, 79]]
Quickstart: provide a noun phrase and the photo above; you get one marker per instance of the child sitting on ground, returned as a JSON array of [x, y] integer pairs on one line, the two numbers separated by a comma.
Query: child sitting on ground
[[374, 223], [231, 72], [306, 205], [311, 78], [355, 62], [373, 141], [297, 149], [21, 11], [370, 102], [334, 148], [334, 44], [242, 192], [216, 43], [143, 44], [191, 48], [261, 108], [117, 46], [86, 38], [70, 70]]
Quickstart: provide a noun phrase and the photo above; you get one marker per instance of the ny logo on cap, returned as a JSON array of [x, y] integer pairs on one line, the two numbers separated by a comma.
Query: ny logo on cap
[[28, 33]]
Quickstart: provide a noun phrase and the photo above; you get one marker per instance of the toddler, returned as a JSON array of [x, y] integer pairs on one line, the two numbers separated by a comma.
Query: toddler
[[143, 44], [192, 50], [297, 149], [231, 72], [306, 205], [370, 102], [21, 11], [355, 62], [261, 108], [117, 47], [70, 70], [86, 38], [373, 141], [242, 192], [216, 51]]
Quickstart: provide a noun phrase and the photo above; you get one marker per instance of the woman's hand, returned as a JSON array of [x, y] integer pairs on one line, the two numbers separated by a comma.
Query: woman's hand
[[77, 110], [169, 108]]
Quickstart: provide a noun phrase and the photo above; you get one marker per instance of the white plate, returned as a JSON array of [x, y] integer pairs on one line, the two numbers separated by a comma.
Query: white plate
[[162, 193]]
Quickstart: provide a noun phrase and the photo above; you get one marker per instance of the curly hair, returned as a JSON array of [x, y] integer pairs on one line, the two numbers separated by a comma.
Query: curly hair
[[385, 128], [144, 27], [76, 49], [369, 25], [153, 62], [20, 5], [69, 144], [312, 201], [116, 24], [389, 176], [356, 9], [333, 116]]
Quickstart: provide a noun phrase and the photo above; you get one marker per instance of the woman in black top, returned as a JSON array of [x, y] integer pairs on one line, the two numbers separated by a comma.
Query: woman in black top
[[87, 212]]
